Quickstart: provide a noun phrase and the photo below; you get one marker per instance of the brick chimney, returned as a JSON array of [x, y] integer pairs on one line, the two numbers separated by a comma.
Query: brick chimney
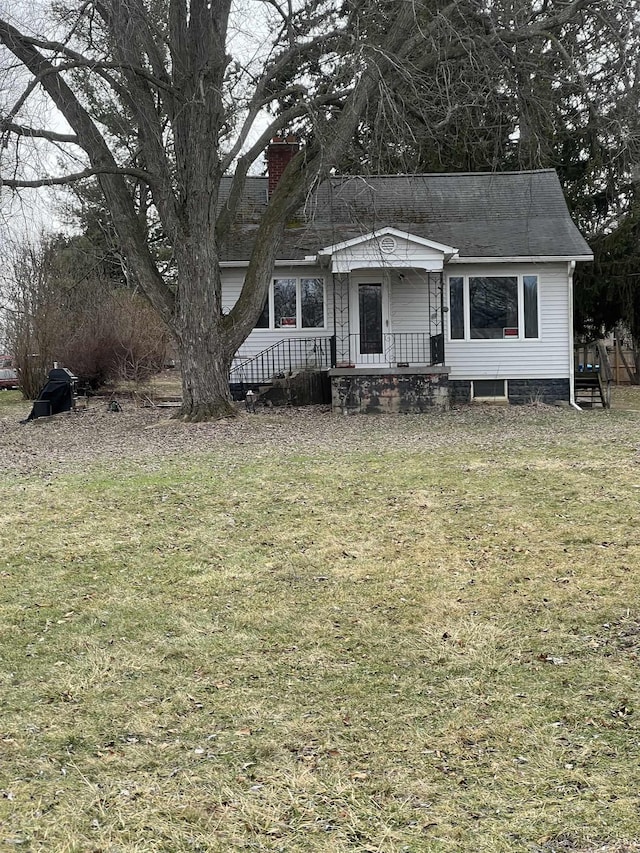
[[279, 153]]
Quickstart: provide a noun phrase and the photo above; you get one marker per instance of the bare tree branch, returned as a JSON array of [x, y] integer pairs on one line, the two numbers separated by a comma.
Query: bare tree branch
[[34, 132], [102, 161], [72, 177]]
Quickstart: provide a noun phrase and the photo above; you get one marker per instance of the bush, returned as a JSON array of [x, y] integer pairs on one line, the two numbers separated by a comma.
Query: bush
[[121, 338], [95, 326]]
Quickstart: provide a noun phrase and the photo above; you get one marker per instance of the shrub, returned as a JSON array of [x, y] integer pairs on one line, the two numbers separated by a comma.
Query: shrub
[[83, 319]]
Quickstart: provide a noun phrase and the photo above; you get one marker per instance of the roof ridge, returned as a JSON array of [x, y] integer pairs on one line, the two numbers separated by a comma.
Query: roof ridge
[[425, 174], [450, 174]]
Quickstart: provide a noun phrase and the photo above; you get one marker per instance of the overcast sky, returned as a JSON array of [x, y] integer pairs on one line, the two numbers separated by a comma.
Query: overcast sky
[[36, 209]]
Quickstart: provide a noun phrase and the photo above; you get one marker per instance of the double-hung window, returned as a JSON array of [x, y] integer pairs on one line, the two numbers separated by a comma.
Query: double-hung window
[[498, 307], [294, 303]]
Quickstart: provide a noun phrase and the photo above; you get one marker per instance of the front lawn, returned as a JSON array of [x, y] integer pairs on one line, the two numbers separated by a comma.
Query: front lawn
[[302, 633]]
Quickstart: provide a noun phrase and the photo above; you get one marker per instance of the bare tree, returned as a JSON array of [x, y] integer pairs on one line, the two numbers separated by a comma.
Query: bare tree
[[58, 308], [159, 108], [33, 311]]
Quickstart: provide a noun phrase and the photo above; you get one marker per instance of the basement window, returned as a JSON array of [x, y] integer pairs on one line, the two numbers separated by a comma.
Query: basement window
[[489, 389], [294, 303]]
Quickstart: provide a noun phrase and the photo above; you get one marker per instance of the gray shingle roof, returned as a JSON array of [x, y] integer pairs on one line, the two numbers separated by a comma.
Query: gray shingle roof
[[484, 215]]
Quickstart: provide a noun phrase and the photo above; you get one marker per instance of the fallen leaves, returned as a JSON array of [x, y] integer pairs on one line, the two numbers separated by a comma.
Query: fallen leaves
[[359, 775], [555, 660]]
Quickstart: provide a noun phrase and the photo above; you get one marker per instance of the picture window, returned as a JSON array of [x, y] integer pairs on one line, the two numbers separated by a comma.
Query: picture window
[[294, 303], [493, 307]]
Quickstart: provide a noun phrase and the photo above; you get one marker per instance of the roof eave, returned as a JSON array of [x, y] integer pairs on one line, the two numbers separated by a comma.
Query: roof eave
[[313, 260], [521, 259]]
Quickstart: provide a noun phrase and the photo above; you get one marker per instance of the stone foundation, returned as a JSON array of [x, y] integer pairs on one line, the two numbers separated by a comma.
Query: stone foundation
[[389, 390], [421, 389], [459, 391], [522, 391]]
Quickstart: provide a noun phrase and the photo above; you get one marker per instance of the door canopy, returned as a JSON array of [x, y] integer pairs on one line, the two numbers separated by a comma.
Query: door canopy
[[387, 248]]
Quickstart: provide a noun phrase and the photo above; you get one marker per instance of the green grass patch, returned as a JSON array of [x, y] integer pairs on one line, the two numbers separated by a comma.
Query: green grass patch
[[10, 402], [388, 645]]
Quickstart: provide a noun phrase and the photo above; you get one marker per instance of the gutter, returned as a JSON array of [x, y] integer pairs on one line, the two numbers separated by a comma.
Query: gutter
[[521, 259], [299, 262], [572, 370]]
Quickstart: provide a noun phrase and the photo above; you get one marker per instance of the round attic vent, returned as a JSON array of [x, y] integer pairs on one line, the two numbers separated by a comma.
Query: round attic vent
[[387, 244]]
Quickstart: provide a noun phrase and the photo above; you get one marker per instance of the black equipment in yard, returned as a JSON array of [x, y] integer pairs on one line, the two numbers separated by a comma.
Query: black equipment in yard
[[58, 395]]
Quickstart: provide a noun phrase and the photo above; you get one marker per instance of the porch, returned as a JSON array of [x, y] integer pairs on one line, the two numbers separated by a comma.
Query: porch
[[388, 312], [389, 339], [321, 353], [390, 390], [407, 375], [384, 316]]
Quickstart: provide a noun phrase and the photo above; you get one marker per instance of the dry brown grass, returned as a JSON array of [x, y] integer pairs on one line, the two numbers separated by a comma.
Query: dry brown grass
[[298, 632]]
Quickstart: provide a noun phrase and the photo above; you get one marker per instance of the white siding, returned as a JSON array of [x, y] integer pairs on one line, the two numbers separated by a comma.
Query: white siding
[[413, 308], [261, 339], [407, 253], [546, 358]]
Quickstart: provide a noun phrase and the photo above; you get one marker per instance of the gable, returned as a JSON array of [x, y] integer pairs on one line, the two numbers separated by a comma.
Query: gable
[[388, 247]]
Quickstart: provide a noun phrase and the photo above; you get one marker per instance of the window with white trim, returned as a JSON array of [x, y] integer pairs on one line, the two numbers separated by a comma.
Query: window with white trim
[[489, 389], [499, 307], [294, 303]]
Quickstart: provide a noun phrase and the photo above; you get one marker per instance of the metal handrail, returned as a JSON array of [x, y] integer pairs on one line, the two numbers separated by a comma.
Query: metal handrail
[[319, 353], [408, 348], [283, 358]]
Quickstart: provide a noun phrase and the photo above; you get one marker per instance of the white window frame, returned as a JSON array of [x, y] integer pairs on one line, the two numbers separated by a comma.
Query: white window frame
[[298, 326], [466, 309], [494, 398]]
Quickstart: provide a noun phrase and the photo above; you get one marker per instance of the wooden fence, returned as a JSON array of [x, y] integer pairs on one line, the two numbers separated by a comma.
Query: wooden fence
[[622, 363]]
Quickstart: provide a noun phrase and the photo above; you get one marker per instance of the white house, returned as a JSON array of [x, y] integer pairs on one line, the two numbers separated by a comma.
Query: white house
[[417, 290]]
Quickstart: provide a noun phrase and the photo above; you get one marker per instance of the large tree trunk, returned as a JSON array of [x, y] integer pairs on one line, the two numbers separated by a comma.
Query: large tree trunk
[[205, 379], [204, 349]]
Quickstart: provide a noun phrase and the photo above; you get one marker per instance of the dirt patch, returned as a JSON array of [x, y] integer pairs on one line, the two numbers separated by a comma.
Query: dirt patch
[[626, 635]]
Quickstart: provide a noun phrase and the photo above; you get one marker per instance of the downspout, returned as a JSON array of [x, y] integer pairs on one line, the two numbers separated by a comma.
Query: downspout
[[572, 370], [442, 315], [334, 346]]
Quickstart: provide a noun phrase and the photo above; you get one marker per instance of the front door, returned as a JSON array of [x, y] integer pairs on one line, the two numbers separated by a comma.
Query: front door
[[371, 323]]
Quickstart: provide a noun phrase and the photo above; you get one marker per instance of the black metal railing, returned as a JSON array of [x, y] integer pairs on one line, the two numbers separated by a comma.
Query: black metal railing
[[281, 359], [320, 353], [397, 348]]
